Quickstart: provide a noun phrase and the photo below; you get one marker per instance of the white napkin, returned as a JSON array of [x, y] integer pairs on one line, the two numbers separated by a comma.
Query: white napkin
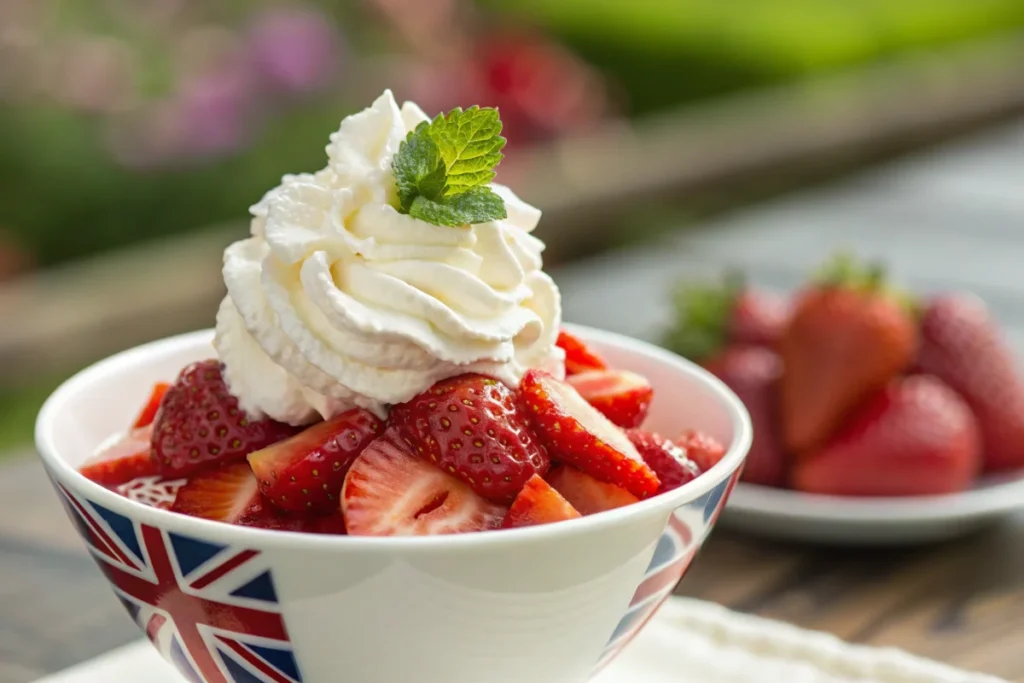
[[689, 641]]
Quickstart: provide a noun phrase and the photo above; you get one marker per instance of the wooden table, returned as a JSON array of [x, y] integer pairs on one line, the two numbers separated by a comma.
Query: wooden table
[[953, 218]]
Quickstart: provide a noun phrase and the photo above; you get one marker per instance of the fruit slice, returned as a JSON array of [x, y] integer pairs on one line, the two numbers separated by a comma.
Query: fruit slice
[[391, 492], [578, 357], [588, 495], [304, 473], [149, 411], [536, 504], [671, 463], [228, 493], [471, 427], [266, 516], [124, 460], [621, 396], [700, 448], [577, 433]]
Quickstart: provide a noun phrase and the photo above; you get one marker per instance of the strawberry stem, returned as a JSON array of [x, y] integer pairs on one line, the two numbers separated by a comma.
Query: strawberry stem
[[702, 314]]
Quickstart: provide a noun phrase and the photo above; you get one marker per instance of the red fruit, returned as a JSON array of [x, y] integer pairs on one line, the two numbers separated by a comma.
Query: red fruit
[[123, 461], [588, 495], [576, 433], [578, 357], [963, 346], [758, 318], [266, 516], [228, 493], [199, 423], [148, 413], [669, 461], [538, 503], [623, 397], [304, 473], [471, 427], [700, 448], [753, 373], [391, 492], [847, 339], [914, 437]]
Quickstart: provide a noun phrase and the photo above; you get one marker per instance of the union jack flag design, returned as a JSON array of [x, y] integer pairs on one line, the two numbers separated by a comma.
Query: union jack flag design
[[210, 609]]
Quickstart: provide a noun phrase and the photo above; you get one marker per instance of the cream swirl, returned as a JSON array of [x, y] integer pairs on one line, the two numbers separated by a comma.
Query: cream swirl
[[338, 300]]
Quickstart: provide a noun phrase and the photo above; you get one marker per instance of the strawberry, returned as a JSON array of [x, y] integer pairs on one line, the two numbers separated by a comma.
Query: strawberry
[[623, 397], [538, 503], [123, 461], [471, 426], [671, 463], [265, 516], [578, 434], [847, 338], [305, 472], [199, 423], [390, 492], [963, 346], [578, 357], [588, 495], [702, 449], [753, 374], [915, 436], [148, 413], [228, 493]]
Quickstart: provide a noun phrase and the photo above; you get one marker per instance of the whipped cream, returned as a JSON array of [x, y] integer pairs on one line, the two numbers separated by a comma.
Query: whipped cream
[[338, 300]]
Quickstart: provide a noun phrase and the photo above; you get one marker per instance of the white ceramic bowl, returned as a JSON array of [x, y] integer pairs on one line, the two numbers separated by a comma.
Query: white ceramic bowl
[[547, 604]]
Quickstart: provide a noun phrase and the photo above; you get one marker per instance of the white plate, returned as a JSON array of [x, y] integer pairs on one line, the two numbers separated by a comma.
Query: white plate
[[792, 515]]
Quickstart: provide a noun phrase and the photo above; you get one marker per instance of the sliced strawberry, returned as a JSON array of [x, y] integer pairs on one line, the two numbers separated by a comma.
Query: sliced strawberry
[[391, 492], [588, 495], [305, 472], [700, 448], [623, 397], [266, 516], [126, 459], [578, 358], [148, 413], [199, 423], [228, 493], [578, 434], [471, 427], [538, 503], [670, 461]]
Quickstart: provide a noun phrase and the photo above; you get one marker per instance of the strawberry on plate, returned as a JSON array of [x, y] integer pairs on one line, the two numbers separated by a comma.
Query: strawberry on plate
[[471, 427], [226, 493], [700, 448], [671, 463], [305, 472], [389, 491], [124, 460], [916, 436], [536, 504], [200, 423], [962, 345], [578, 356], [588, 495], [623, 397], [148, 412], [578, 434]]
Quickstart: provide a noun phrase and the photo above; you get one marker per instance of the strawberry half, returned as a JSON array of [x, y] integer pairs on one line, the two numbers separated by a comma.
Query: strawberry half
[[623, 397], [199, 423], [536, 504], [577, 433], [471, 427], [588, 495], [391, 492], [229, 493], [123, 461], [578, 357], [149, 411], [305, 472], [700, 448], [669, 461]]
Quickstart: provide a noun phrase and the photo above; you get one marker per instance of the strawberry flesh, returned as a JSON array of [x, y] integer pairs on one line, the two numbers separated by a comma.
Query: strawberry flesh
[[228, 493], [149, 411], [536, 504], [588, 495], [703, 450], [623, 397], [125, 460], [671, 463], [304, 473], [578, 357], [578, 434]]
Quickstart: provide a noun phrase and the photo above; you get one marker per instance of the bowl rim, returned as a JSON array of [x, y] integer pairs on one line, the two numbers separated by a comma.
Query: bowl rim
[[65, 474]]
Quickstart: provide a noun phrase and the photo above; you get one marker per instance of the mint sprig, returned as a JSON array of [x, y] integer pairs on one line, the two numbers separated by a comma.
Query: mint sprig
[[443, 168]]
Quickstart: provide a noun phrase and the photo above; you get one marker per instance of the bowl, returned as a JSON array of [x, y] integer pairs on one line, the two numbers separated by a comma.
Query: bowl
[[545, 604]]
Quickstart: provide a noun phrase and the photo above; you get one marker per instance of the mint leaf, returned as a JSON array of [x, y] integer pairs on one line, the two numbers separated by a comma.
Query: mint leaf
[[443, 168]]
